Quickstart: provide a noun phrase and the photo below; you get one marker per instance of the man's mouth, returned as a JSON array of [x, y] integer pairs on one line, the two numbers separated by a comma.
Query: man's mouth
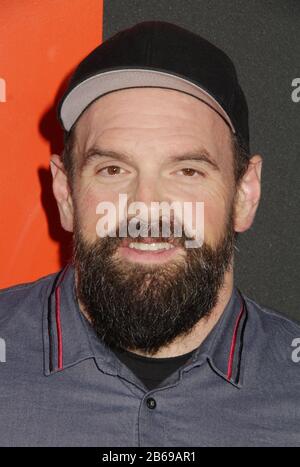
[[148, 249], [161, 241], [153, 246]]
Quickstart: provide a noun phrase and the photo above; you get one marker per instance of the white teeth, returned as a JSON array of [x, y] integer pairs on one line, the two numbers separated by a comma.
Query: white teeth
[[150, 246]]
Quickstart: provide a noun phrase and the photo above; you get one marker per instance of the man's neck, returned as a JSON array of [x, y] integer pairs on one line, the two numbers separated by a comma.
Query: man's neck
[[187, 343]]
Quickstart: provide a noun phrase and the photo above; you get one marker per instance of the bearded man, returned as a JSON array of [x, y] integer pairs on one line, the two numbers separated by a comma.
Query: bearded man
[[143, 340]]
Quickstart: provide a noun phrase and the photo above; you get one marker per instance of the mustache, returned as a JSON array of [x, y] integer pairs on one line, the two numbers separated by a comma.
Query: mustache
[[170, 231]]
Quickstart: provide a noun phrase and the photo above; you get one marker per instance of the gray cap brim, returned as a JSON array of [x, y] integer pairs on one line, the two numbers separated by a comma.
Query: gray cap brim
[[98, 85]]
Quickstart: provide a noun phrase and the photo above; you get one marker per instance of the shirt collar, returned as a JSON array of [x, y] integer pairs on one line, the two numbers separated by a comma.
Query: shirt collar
[[223, 347], [69, 339]]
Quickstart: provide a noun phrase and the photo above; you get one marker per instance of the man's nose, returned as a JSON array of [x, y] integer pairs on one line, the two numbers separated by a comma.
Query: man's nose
[[147, 190]]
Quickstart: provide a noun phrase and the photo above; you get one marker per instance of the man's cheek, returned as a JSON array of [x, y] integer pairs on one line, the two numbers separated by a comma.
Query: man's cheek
[[94, 207], [87, 216], [214, 222]]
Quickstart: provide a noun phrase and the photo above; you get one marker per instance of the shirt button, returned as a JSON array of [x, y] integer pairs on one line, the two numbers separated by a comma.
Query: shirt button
[[151, 403]]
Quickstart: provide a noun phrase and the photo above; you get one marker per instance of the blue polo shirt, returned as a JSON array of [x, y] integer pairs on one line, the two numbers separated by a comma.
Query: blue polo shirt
[[61, 386]]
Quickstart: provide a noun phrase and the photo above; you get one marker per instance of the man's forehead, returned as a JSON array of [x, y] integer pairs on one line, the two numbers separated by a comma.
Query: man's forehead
[[164, 116]]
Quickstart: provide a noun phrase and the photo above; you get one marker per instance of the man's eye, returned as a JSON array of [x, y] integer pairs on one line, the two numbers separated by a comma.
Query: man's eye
[[190, 172], [110, 170]]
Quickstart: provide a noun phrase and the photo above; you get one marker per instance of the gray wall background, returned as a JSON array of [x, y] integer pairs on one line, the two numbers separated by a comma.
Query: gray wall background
[[263, 39]]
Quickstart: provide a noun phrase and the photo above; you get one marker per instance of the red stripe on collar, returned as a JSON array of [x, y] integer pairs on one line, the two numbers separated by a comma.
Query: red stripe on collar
[[233, 341], [58, 319]]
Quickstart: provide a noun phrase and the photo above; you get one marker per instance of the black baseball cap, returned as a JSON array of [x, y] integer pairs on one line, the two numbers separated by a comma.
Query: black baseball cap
[[164, 55]]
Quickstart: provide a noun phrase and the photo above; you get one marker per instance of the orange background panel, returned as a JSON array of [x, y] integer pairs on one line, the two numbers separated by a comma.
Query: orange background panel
[[40, 44]]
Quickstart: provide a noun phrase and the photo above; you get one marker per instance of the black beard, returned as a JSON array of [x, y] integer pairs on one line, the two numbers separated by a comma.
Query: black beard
[[140, 307]]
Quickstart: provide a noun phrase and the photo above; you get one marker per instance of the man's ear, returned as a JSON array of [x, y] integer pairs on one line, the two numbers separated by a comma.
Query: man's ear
[[248, 195], [62, 192]]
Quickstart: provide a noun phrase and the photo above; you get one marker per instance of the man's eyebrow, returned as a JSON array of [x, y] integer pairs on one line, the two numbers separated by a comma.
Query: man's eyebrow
[[96, 152], [201, 155]]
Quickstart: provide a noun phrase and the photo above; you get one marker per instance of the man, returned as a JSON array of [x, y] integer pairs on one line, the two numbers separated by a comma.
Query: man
[[143, 339]]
